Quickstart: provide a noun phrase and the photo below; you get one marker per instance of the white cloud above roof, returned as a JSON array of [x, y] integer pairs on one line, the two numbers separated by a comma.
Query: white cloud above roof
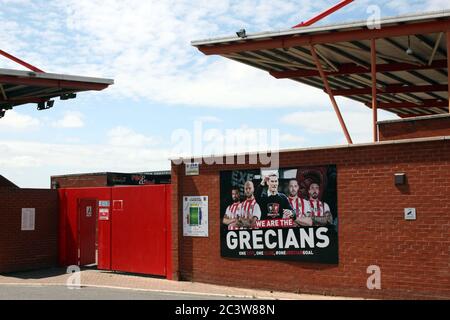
[[70, 120], [15, 120]]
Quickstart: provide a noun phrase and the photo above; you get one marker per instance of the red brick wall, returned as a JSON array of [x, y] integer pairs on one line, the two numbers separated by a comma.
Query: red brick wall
[[413, 255], [421, 127], [81, 181], [27, 250]]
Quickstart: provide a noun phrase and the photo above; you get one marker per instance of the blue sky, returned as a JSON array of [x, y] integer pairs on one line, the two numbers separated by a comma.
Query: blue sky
[[161, 83]]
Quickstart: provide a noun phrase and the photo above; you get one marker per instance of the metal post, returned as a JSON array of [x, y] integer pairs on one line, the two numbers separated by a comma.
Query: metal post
[[21, 62], [330, 93], [448, 66], [373, 61], [324, 14]]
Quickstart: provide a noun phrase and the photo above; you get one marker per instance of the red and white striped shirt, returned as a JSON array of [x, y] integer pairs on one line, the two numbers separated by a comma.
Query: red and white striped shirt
[[318, 208], [299, 206], [233, 210], [249, 209]]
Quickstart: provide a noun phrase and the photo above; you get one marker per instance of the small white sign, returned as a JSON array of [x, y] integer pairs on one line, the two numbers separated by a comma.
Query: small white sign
[[192, 169], [195, 216], [103, 214], [104, 203], [410, 214], [88, 212], [28, 219]]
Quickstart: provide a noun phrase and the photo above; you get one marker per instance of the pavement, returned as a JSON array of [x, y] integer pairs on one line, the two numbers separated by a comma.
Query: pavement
[[105, 285]]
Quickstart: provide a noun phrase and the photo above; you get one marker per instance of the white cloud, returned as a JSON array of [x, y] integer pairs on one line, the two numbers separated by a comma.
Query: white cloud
[[145, 46], [313, 121], [126, 137], [30, 164], [437, 5], [290, 139], [358, 122], [209, 119], [71, 119], [228, 84], [18, 121]]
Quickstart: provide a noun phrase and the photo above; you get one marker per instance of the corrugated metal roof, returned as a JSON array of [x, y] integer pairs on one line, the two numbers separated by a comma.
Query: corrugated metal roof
[[54, 76], [19, 87], [361, 24], [413, 84]]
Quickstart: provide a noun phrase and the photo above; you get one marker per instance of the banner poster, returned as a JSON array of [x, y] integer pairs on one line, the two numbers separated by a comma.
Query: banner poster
[[285, 214], [195, 216]]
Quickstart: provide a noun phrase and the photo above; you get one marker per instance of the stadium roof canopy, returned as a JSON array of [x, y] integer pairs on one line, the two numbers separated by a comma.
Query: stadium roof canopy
[[400, 66], [19, 87]]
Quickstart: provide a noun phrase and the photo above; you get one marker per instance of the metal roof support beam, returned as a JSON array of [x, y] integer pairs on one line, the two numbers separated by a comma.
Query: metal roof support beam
[[350, 68], [373, 64], [448, 66], [330, 93], [392, 89], [19, 61], [324, 14], [3, 92], [19, 101], [435, 48], [417, 57], [402, 80], [430, 103]]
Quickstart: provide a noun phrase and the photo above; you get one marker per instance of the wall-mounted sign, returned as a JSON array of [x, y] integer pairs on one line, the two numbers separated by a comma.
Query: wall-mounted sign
[[89, 211], [28, 219], [195, 216], [135, 179], [104, 203], [118, 205], [286, 214], [103, 214], [410, 214], [192, 169]]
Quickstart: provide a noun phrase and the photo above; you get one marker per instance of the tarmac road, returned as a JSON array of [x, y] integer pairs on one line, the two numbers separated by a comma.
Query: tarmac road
[[23, 292]]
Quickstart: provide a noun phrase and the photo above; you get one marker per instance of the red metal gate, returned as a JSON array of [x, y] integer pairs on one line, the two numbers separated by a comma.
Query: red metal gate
[[133, 232], [138, 230]]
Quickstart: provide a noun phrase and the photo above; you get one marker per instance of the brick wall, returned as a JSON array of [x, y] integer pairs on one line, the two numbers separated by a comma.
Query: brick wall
[[81, 181], [413, 255], [419, 127], [27, 250]]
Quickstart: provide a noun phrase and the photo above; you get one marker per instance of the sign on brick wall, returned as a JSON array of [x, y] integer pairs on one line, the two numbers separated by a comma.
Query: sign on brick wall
[[286, 214], [195, 216], [28, 219]]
